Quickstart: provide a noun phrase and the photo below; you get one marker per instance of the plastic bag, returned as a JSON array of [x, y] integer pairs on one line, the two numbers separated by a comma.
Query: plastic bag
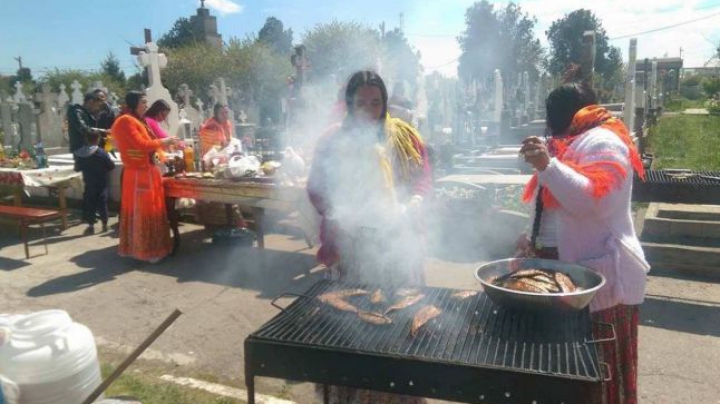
[[212, 157], [239, 166], [234, 147]]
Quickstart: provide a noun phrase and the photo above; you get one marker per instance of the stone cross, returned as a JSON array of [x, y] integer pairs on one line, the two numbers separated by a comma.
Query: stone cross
[[214, 94], [152, 61], [224, 92], [63, 97], [77, 95], [497, 115], [185, 93], [19, 96], [629, 107], [49, 120], [200, 106]]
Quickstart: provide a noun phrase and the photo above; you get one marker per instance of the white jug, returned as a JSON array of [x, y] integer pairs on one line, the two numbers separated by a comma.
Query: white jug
[[52, 359]]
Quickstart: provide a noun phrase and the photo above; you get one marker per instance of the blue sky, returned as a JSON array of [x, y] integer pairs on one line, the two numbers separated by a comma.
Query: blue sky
[[79, 34]]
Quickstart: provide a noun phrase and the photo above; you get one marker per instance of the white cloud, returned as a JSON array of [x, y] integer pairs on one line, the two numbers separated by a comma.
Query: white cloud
[[224, 6]]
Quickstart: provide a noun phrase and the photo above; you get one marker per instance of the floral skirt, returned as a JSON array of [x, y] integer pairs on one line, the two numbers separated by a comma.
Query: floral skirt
[[621, 356]]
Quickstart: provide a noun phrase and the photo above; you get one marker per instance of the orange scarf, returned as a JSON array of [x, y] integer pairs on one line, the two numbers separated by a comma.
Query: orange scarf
[[604, 176]]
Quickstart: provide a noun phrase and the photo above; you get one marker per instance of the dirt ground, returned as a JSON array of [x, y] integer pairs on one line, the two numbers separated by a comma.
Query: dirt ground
[[225, 294]]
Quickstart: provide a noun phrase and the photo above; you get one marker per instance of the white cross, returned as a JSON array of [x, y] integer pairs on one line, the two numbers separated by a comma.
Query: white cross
[[154, 61], [77, 96], [63, 97], [19, 96], [185, 93]]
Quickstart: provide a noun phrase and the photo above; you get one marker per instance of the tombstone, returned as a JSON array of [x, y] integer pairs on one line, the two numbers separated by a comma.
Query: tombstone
[[77, 96], [62, 97], [223, 93], [6, 121], [19, 96], [153, 62], [629, 107], [201, 110], [192, 114], [497, 115], [49, 120], [26, 122]]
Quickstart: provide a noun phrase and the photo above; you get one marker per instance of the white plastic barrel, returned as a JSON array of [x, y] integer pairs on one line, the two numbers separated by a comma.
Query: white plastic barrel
[[52, 359]]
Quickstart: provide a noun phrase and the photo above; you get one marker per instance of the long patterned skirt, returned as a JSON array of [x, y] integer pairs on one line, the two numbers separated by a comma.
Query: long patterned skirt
[[622, 356], [144, 228]]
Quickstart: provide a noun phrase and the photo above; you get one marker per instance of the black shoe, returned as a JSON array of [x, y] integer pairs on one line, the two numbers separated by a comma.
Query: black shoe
[[104, 227], [90, 230]]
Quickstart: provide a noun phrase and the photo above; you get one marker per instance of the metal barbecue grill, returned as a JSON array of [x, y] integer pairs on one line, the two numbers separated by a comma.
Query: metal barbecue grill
[[475, 351], [678, 186]]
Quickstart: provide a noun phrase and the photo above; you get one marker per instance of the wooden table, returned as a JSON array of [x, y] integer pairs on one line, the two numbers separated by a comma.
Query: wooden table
[[57, 179], [257, 195]]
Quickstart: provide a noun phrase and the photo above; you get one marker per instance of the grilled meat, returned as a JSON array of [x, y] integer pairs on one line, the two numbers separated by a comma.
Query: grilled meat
[[405, 302], [425, 314], [374, 318], [464, 294], [377, 297], [536, 281]]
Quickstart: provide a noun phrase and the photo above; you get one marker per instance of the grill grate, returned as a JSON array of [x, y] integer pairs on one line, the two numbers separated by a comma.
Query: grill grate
[[678, 186], [471, 335]]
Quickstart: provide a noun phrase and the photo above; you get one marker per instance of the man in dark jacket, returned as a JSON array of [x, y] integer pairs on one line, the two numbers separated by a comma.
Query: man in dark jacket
[[95, 165], [82, 119]]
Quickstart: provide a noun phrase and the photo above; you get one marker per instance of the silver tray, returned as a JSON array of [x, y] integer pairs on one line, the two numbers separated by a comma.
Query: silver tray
[[582, 276]]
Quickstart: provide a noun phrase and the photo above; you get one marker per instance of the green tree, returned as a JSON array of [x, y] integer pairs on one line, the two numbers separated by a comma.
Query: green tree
[[498, 39], [274, 35], [111, 68], [340, 48], [711, 86], [184, 32], [400, 62], [565, 37], [196, 65]]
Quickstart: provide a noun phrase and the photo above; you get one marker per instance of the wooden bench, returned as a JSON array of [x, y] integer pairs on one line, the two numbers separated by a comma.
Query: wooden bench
[[27, 216]]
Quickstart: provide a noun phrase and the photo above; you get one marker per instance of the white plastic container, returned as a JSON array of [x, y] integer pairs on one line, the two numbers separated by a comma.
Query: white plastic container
[[52, 359]]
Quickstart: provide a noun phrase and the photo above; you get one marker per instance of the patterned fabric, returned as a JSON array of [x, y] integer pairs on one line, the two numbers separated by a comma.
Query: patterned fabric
[[622, 356], [604, 175], [213, 133], [144, 228]]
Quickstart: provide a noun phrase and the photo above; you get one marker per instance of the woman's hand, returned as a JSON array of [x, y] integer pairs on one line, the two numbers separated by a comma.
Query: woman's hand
[[169, 141], [535, 152]]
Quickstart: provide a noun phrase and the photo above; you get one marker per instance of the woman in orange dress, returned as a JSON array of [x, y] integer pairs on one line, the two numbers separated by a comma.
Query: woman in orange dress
[[216, 131], [144, 229]]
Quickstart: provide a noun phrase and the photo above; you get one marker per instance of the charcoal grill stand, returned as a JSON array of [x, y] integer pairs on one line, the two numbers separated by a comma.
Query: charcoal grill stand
[[447, 379]]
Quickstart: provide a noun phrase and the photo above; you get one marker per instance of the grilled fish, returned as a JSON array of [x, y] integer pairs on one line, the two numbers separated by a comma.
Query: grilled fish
[[341, 294], [340, 304], [377, 297], [374, 318], [423, 315], [565, 283], [464, 294], [536, 281], [405, 302]]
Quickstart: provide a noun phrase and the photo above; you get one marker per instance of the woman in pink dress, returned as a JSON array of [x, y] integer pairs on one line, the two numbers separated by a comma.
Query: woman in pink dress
[[158, 112]]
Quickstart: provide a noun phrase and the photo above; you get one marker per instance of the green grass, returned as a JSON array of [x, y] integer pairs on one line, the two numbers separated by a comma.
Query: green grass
[[681, 104], [686, 141], [149, 389]]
